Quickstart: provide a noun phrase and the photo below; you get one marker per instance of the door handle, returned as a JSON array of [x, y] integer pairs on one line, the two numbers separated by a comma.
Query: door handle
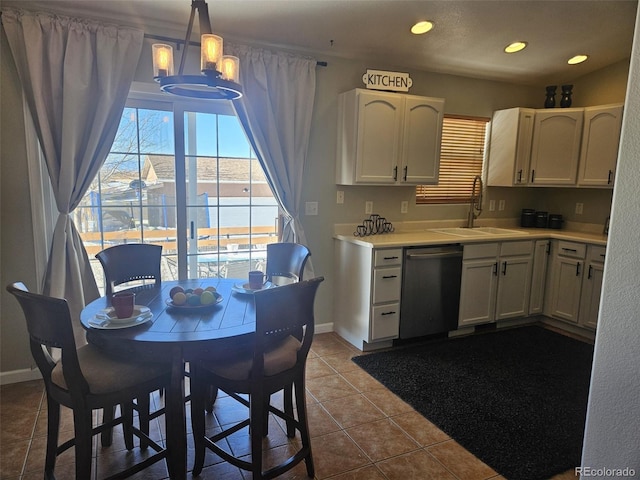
[[609, 177], [533, 174], [193, 230], [504, 268], [519, 176], [405, 173], [395, 173], [577, 269], [495, 268], [590, 270]]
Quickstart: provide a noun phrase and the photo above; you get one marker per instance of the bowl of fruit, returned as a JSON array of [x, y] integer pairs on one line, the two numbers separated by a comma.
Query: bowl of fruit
[[193, 298]]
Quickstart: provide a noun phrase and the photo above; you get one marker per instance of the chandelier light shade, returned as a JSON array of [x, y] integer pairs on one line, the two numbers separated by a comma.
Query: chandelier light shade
[[219, 73]]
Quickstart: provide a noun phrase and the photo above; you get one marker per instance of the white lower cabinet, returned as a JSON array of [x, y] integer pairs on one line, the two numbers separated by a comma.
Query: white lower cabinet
[[367, 294], [541, 251], [591, 287], [496, 279]]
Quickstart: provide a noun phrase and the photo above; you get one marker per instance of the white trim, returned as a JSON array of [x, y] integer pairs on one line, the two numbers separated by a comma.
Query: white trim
[[324, 328], [17, 376]]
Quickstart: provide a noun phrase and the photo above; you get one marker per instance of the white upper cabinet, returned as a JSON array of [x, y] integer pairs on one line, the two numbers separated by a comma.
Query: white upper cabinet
[[388, 139], [600, 140], [555, 149], [510, 147]]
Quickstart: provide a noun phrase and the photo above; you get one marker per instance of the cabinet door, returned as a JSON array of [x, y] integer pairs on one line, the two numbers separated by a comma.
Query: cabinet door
[[422, 135], [567, 286], [378, 137], [478, 291], [591, 291], [600, 140], [385, 322], [513, 287], [556, 146], [510, 147], [538, 276]]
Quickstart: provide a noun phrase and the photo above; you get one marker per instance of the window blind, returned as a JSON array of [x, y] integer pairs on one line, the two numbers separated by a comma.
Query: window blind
[[461, 156]]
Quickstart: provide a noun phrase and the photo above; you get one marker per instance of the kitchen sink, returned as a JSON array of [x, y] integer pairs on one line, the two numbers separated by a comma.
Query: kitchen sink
[[477, 231]]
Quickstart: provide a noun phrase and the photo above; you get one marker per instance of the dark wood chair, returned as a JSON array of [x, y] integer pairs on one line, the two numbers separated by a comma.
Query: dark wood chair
[[284, 332], [130, 262], [286, 258], [85, 379]]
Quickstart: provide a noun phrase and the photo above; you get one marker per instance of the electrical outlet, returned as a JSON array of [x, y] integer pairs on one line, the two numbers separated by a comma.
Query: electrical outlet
[[579, 208], [501, 205], [404, 207], [492, 205], [368, 207], [311, 208], [340, 196]]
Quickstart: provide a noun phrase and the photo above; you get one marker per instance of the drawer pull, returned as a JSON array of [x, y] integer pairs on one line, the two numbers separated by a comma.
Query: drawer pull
[[390, 258], [388, 313], [570, 250], [389, 276]]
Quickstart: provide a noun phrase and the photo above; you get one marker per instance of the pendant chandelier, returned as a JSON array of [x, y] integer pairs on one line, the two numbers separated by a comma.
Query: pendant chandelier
[[220, 73]]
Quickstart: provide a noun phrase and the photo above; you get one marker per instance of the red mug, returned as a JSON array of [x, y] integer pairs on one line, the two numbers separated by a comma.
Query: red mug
[[123, 303], [256, 280]]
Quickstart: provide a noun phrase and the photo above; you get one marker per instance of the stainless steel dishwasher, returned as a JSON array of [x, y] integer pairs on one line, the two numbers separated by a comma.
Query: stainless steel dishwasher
[[430, 290]]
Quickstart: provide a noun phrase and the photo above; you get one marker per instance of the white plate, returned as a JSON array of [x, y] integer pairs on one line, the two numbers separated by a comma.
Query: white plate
[[106, 324], [110, 314], [244, 288]]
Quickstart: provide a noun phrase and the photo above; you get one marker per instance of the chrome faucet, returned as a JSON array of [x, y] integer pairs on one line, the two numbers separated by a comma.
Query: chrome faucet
[[475, 206]]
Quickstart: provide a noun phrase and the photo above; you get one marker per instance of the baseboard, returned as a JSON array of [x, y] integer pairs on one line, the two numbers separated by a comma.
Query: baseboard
[[17, 376], [324, 328]]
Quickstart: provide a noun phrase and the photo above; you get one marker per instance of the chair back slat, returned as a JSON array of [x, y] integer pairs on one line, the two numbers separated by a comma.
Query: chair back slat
[[285, 257], [130, 262]]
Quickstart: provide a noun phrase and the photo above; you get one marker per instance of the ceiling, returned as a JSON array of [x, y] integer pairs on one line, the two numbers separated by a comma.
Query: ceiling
[[468, 38]]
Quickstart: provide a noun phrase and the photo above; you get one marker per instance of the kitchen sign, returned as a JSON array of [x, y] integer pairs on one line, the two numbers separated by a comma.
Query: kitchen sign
[[381, 80]]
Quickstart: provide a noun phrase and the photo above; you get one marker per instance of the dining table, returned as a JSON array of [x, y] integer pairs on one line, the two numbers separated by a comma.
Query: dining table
[[175, 334]]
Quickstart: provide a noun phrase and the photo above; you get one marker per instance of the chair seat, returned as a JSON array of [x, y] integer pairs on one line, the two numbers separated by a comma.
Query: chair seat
[[107, 375], [278, 358]]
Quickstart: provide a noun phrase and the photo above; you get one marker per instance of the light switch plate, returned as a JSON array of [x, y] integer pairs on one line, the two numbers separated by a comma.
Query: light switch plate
[[404, 207], [311, 208], [501, 205], [579, 208], [368, 207], [340, 197]]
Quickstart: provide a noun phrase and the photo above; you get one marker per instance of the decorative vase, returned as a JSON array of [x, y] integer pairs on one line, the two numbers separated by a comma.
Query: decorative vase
[[565, 101], [550, 101]]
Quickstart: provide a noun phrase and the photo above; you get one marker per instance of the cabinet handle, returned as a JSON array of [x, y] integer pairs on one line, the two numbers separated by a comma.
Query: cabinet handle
[[590, 270], [578, 269], [602, 255], [388, 313], [389, 276], [390, 258], [609, 177], [192, 230], [405, 173], [495, 269], [395, 173], [548, 248], [570, 250], [504, 268], [533, 174], [520, 176]]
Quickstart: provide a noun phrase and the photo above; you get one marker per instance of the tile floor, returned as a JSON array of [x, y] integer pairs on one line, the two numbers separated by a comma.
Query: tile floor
[[360, 431]]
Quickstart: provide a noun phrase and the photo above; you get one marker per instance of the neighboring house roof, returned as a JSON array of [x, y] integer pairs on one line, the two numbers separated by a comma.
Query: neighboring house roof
[[161, 168]]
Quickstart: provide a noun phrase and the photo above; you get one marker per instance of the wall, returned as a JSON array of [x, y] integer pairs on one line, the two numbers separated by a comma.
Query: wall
[[16, 234], [613, 416], [463, 96]]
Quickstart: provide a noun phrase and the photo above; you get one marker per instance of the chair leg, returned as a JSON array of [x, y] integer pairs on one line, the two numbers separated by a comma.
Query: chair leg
[[198, 393], [256, 415], [53, 429], [83, 434], [212, 395], [144, 406], [288, 409], [303, 422], [127, 423], [108, 414]]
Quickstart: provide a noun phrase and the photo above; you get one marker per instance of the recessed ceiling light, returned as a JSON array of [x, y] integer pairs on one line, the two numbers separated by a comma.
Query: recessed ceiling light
[[422, 27], [515, 47], [577, 59]]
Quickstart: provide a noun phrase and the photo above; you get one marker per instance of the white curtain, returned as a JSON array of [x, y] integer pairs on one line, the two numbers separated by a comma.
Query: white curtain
[[76, 76], [275, 110]]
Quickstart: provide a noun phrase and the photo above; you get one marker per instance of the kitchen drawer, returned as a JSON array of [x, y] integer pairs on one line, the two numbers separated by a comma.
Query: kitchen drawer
[[385, 321], [480, 250], [596, 253], [386, 284], [571, 249], [389, 257], [516, 248]]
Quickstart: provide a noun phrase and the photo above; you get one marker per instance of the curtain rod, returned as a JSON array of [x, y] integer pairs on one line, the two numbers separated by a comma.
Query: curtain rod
[[178, 42]]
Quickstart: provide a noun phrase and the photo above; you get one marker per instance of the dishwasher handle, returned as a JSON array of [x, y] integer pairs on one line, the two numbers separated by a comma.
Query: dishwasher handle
[[440, 254]]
